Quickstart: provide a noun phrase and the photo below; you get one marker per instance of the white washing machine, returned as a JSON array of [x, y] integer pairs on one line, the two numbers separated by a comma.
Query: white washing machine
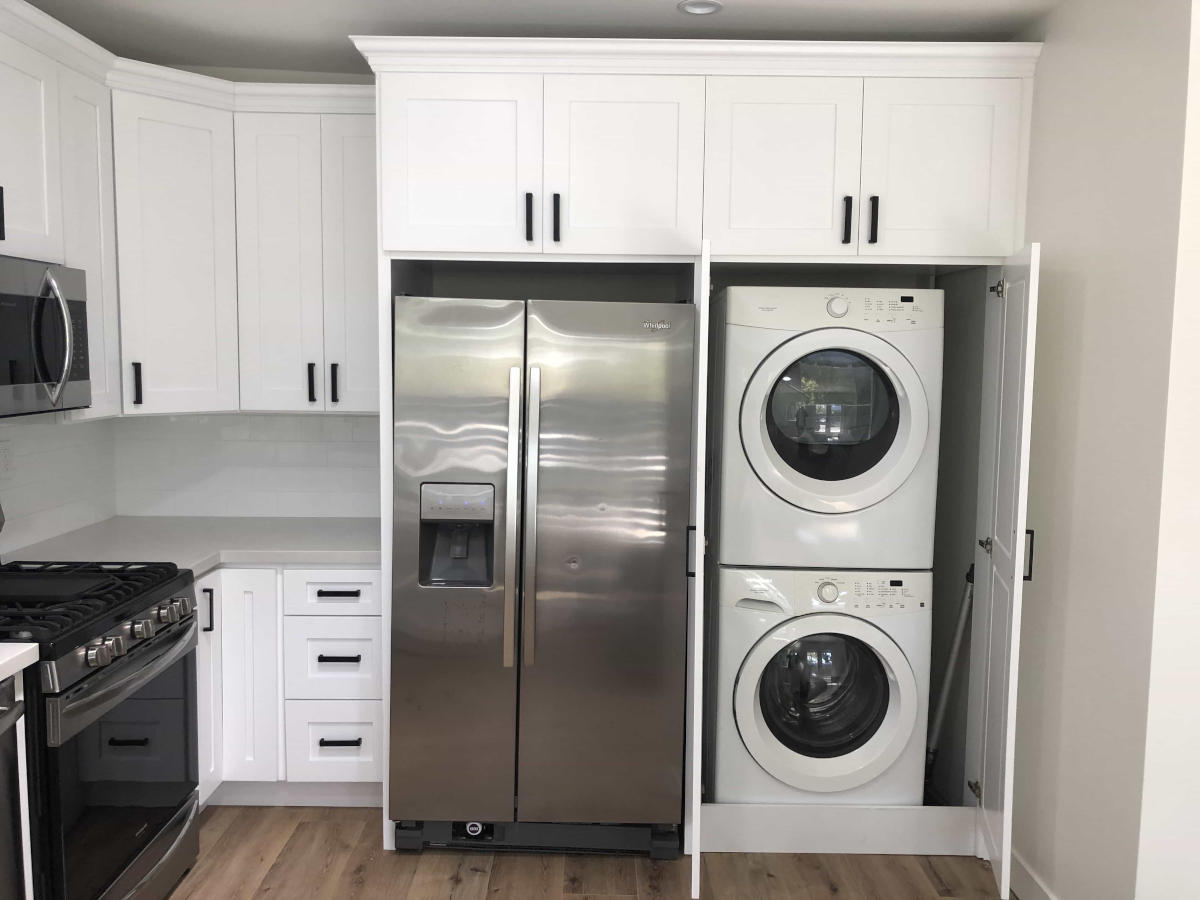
[[830, 417], [822, 687]]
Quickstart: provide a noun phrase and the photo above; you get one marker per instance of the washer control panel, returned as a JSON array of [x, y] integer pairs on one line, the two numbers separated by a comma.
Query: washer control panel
[[806, 308], [864, 593]]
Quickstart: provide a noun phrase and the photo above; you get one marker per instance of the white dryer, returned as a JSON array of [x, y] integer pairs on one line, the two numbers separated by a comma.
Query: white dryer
[[830, 419], [822, 687]]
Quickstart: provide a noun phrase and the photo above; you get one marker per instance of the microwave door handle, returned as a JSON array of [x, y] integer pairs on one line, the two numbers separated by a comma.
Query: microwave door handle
[[9, 716], [67, 716], [48, 283]]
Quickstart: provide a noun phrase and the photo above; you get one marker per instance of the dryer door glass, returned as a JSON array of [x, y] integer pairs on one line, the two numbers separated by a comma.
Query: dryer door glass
[[824, 695], [832, 415]]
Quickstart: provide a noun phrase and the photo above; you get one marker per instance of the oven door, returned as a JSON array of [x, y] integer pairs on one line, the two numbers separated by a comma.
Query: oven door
[[43, 338], [121, 756]]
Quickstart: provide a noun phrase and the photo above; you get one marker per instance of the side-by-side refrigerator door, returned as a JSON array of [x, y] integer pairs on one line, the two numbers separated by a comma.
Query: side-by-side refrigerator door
[[457, 432], [604, 603]]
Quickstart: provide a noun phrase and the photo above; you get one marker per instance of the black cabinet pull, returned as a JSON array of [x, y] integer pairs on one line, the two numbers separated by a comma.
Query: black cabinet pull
[[1, 213], [847, 212], [557, 211], [211, 623], [312, 382], [874, 238], [333, 391], [528, 216], [322, 658], [129, 742], [1028, 574], [321, 592], [325, 742], [137, 384]]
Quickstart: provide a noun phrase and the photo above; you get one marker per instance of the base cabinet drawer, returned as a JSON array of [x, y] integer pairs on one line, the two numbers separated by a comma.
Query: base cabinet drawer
[[326, 658], [334, 740], [331, 592]]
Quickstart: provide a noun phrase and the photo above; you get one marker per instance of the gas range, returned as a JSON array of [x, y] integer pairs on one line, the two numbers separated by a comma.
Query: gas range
[[85, 616]]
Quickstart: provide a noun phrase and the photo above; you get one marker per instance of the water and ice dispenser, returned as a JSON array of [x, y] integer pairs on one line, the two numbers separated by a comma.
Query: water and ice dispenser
[[457, 535]]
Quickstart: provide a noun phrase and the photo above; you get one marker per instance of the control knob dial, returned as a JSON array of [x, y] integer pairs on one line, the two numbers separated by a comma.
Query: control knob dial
[[828, 592]]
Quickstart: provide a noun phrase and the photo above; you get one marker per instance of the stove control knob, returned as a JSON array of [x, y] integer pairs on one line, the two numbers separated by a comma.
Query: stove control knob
[[167, 614], [827, 592], [185, 605], [116, 646], [143, 629], [98, 655]]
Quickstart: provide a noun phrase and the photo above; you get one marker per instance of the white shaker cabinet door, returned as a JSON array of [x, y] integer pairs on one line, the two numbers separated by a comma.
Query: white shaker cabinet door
[[280, 329], [29, 154], [89, 229], [624, 164], [941, 159], [177, 255], [781, 165], [208, 683], [250, 688], [460, 161], [351, 263]]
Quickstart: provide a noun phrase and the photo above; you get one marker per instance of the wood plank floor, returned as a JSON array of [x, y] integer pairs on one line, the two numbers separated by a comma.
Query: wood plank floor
[[334, 854]]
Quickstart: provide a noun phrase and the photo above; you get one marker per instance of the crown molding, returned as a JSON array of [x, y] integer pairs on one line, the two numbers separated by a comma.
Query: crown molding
[[172, 84], [44, 33], [304, 98], [699, 57]]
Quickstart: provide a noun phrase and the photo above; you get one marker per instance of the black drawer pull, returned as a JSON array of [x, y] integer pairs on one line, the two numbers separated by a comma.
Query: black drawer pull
[[322, 658], [137, 383], [848, 211], [312, 382], [129, 742], [528, 216], [323, 742], [874, 238], [321, 592], [333, 390], [211, 625]]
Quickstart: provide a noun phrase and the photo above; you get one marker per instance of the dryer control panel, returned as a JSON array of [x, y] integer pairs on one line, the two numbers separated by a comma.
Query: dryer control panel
[[867, 594], [807, 308]]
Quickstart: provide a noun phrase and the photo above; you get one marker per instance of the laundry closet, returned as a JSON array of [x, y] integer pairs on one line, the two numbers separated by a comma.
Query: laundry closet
[[784, 191]]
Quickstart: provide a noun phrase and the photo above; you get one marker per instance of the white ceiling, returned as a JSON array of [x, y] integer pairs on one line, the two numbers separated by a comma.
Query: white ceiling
[[310, 35]]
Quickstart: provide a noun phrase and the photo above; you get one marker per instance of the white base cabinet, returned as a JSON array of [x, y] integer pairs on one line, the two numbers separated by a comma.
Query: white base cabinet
[[209, 701], [250, 674], [334, 740]]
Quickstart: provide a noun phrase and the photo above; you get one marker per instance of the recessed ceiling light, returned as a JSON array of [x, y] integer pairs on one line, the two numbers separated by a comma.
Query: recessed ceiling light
[[699, 7]]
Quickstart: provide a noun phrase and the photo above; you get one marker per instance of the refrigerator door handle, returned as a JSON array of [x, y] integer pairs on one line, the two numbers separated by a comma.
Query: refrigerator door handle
[[533, 417], [512, 503]]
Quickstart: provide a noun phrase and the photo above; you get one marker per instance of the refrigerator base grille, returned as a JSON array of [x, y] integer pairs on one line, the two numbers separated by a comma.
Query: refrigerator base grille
[[656, 841]]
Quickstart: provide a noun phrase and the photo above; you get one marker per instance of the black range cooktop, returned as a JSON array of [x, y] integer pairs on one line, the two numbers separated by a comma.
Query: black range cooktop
[[63, 604]]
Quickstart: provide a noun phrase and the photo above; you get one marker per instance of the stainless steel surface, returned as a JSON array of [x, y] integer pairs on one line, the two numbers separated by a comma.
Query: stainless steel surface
[[11, 863], [453, 703], [533, 417], [512, 516], [602, 710], [54, 393], [73, 711], [155, 871]]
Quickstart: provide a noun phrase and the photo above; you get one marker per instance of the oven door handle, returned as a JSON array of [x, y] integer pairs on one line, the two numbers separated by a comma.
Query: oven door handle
[[9, 716], [68, 715]]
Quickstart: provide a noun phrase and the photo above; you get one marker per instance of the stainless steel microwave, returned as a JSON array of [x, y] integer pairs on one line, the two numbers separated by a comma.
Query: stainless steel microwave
[[43, 338]]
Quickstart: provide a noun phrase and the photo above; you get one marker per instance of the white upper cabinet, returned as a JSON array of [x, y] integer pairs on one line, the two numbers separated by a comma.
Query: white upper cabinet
[[177, 254], [624, 164], [351, 263], [781, 165], [280, 328], [942, 157], [31, 207], [89, 229], [461, 153]]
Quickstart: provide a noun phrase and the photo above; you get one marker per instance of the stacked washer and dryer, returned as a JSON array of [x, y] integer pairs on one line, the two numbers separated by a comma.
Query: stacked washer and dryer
[[827, 466]]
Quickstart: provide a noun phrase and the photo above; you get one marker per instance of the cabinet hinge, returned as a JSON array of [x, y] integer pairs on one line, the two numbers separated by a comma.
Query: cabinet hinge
[[997, 289], [986, 544], [976, 790]]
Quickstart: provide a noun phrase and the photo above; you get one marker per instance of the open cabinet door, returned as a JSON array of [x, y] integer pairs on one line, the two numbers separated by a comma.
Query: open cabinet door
[[1000, 558]]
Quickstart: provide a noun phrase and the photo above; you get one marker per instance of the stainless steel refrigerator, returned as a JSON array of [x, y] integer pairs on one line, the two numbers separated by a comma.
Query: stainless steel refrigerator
[[539, 602]]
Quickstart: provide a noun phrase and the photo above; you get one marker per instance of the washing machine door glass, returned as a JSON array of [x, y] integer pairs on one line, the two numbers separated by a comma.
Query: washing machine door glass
[[826, 702], [832, 415], [834, 420], [824, 695]]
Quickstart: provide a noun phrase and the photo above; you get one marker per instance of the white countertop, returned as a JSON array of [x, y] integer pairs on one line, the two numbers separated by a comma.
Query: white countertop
[[201, 543], [15, 657]]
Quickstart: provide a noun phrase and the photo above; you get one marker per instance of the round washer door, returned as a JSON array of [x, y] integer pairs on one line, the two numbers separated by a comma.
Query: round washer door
[[825, 702], [834, 420]]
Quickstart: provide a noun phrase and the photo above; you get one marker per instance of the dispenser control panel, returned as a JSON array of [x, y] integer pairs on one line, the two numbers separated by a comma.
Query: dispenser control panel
[[457, 502]]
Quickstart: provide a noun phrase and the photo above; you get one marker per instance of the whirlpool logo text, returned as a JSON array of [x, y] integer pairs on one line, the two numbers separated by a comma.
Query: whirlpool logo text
[[660, 325]]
